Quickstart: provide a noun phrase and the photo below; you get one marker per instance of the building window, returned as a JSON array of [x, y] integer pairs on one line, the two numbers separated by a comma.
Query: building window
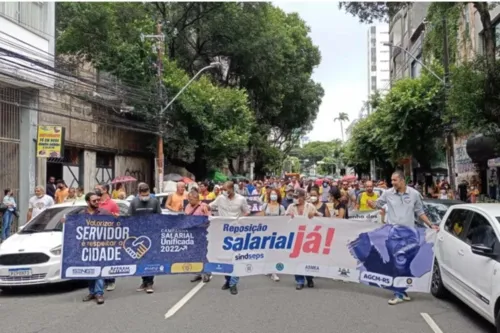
[[374, 83], [374, 68], [373, 30], [374, 42], [416, 67], [374, 54]]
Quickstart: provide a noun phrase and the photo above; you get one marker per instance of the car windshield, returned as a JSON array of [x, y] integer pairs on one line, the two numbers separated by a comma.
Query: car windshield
[[435, 211], [50, 220]]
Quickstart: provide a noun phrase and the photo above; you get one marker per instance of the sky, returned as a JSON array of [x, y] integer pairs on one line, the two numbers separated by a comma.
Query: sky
[[342, 41]]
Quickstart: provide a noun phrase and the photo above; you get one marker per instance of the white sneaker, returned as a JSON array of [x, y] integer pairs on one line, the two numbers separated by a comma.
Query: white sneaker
[[275, 277], [111, 287], [397, 300]]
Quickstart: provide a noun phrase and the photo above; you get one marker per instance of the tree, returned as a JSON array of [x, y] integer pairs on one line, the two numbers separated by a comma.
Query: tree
[[341, 118], [209, 123], [291, 164], [316, 151], [369, 12], [265, 51], [409, 119]]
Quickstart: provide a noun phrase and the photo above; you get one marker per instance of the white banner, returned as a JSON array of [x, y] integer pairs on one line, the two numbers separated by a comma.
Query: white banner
[[387, 256], [372, 216]]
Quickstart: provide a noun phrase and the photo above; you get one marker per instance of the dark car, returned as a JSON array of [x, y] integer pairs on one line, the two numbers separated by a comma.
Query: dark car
[[436, 208]]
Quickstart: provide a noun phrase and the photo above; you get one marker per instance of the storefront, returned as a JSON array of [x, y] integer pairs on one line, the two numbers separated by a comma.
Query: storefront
[[68, 168]]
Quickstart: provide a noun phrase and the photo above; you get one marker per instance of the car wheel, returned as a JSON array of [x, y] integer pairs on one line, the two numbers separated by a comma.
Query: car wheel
[[438, 289], [497, 321]]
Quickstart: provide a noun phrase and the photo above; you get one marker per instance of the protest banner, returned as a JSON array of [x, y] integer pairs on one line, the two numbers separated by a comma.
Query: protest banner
[[388, 256], [372, 216]]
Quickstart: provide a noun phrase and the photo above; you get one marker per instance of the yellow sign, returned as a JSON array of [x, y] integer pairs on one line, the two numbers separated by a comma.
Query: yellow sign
[[50, 141], [187, 267]]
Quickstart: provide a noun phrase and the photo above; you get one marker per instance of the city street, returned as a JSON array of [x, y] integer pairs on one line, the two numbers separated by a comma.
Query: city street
[[261, 306]]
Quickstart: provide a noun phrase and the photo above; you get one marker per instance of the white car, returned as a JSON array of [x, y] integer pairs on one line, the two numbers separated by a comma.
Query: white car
[[32, 256], [468, 258]]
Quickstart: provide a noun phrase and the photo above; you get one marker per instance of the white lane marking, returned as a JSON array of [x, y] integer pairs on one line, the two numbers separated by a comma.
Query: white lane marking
[[432, 324], [184, 300]]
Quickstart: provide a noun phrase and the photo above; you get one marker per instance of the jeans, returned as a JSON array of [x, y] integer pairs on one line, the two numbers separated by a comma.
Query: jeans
[[96, 287], [109, 281], [400, 294], [300, 279], [232, 280], [8, 216], [147, 280]]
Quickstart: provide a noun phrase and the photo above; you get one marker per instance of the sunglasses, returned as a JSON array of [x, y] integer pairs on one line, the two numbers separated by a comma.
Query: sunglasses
[[95, 200]]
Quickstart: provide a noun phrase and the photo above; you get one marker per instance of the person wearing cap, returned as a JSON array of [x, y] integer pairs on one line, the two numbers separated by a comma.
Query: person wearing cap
[[302, 208], [288, 199], [142, 205]]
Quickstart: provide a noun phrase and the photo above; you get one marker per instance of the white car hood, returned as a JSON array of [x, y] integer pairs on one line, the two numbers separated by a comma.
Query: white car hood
[[36, 242]]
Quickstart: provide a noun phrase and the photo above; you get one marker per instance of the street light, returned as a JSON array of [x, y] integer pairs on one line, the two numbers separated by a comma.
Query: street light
[[417, 60], [160, 137], [212, 65]]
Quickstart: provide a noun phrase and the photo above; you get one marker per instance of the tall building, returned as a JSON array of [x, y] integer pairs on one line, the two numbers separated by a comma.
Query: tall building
[[378, 60]]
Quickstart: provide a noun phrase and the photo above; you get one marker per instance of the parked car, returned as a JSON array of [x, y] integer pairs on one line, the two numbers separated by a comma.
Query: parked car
[[435, 209], [32, 256], [467, 261]]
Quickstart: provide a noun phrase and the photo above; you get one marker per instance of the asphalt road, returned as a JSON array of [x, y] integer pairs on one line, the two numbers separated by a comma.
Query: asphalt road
[[261, 306]]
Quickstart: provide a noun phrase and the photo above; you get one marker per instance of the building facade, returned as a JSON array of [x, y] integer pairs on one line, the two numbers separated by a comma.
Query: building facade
[[407, 31], [378, 60], [100, 142], [27, 30]]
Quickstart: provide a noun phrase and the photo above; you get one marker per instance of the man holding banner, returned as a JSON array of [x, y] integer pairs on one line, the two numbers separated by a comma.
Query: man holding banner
[[402, 204], [96, 287], [230, 204]]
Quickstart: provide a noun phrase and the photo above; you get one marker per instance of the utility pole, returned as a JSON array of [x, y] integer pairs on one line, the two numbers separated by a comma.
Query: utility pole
[[161, 158], [450, 156], [159, 165]]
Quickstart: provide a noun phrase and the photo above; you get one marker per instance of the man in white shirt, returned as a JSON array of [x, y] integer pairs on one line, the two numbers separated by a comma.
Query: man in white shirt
[[230, 204], [39, 202]]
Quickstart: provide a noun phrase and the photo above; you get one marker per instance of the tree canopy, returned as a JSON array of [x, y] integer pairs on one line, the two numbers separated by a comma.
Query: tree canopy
[[267, 56]]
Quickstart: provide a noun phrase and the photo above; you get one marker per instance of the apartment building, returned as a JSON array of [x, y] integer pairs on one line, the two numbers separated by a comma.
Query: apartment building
[[378, 60]]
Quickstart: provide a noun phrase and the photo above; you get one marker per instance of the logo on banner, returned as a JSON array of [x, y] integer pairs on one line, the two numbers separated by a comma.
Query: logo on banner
[[280, 266], [312, 268], [122, 270], [248, 268], [249, 256], [345, 272], [83, 271], [218, 268], [379, 279], [137, 247], [151, 268]]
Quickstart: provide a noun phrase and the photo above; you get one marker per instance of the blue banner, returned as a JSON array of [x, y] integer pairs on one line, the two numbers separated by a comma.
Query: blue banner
[[105, 246]]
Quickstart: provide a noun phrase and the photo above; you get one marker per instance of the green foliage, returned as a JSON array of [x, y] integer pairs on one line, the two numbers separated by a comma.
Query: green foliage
[[316, 151], [434, 36], [369, 12], [408, 121], [291, 164], [268, 56]]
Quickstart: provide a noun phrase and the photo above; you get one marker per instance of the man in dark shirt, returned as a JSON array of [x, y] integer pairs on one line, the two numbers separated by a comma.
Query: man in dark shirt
[[96, 287], [144, 204]]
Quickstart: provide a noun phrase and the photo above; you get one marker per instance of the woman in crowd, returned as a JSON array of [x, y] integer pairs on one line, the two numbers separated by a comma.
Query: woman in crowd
[[118, 189], [339, 204], [8, 215], [321, 207], [273, 208]]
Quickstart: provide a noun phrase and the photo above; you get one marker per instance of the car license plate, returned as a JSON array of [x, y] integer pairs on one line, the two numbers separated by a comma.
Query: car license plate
[[18, 272]]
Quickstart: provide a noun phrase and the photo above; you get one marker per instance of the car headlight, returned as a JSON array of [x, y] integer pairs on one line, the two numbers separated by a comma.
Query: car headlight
[[57, 250]]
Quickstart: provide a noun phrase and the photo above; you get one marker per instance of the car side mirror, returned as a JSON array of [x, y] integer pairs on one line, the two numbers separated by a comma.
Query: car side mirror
[[483, 250]]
